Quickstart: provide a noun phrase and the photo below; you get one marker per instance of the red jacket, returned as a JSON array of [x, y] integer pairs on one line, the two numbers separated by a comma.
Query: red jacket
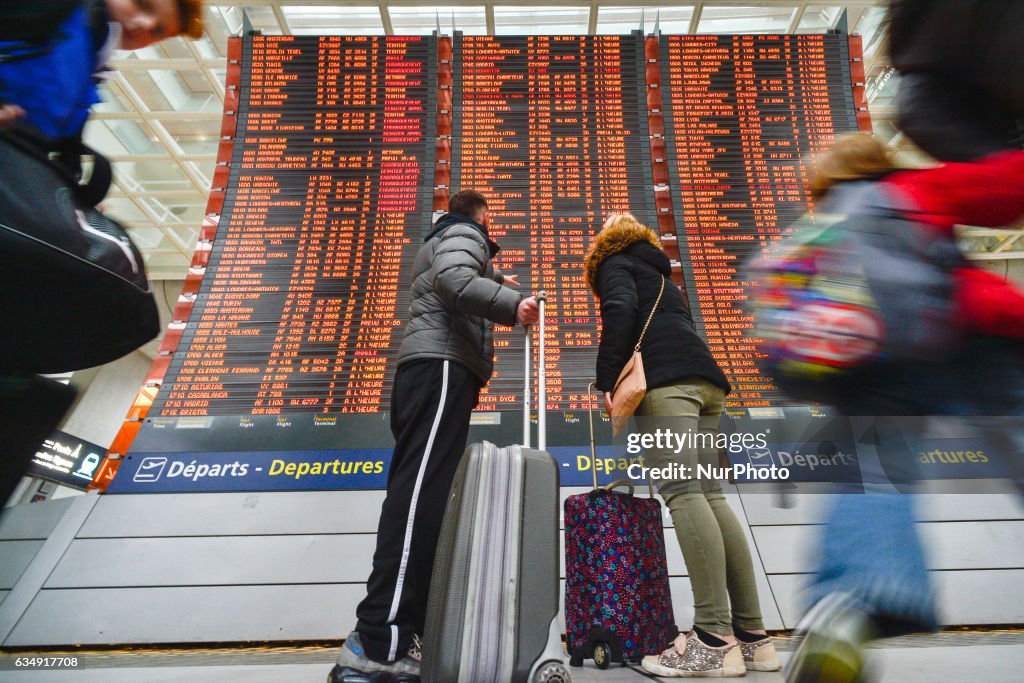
[[988, 192]]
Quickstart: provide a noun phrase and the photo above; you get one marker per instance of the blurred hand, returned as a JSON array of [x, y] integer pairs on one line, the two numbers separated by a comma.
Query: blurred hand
[[9, 113], [528, 311], [510, 280], [608, 402]]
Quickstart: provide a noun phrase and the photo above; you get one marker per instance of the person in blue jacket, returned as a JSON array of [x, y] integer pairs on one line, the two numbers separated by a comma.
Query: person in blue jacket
[[52, 54]]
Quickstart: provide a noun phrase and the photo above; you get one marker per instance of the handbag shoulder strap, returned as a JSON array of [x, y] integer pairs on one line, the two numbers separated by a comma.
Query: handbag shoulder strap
[[651, 316]]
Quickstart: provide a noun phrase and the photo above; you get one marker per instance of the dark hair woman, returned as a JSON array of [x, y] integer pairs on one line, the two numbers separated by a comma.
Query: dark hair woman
[[628, 271]]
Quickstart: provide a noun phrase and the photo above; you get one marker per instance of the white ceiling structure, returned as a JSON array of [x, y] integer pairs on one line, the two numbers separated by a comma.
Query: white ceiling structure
[[160, 119]]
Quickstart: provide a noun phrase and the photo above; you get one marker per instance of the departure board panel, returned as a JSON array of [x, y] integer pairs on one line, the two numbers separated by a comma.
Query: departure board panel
[[742, 116], [345, 145], [553, 130], [328, 197]]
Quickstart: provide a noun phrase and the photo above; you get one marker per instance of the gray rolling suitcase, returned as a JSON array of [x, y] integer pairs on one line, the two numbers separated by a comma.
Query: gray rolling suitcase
[[492, 615]]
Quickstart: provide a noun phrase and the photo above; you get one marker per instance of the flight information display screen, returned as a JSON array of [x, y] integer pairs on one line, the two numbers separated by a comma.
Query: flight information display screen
[[553, 129], [299, 310], [742, 116], [334, 180]]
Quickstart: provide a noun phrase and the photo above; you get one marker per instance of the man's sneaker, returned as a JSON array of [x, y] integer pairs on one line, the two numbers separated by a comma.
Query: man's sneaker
[[354, 666], [760, 655], [836, 630], [415, 652], [688, 657]]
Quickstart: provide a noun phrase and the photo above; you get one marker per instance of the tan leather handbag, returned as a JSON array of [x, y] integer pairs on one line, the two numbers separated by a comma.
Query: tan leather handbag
[[631, 385]]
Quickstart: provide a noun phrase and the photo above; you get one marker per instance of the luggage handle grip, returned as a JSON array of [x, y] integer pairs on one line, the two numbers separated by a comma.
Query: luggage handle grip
[[625, 483]]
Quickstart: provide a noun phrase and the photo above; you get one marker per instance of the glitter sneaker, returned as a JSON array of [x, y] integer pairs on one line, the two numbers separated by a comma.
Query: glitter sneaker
[[354, 666], [688, 657], [760, 656]]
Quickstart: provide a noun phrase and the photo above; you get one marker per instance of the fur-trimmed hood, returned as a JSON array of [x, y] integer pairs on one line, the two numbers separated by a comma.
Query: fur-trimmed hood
[[622, 234]]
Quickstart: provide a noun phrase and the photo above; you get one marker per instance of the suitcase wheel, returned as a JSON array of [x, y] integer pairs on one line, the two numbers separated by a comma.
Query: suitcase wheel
[[602, 655], [552, 672]]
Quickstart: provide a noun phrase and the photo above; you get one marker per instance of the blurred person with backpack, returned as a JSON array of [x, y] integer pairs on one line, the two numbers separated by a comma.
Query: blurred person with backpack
[[871, 578]]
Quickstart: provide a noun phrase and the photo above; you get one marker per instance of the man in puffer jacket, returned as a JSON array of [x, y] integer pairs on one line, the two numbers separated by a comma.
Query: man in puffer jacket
[[446, 357]]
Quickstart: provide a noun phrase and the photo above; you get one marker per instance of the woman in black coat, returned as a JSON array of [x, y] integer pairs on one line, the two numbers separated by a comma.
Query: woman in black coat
[[627, 269]]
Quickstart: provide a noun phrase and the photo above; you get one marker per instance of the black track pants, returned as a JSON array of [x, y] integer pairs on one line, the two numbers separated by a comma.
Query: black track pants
[[430, 408]]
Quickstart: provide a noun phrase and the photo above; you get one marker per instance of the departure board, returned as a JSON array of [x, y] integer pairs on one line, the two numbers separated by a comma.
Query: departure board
[[343, 150], [299, 308], [742, 116], [553, 130]]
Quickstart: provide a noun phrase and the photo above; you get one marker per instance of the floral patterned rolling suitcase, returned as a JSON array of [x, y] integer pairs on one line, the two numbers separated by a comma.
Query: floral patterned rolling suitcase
[[617, 602]]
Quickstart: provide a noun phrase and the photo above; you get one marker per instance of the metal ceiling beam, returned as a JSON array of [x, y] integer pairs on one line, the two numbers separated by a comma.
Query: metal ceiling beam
[[159, 158], [282, 20], [171, 63], [991, 232], [592, 22], [157, 220], [385, 19], [215, 83], [489, 15], [1002, 256], [798, 15], [698, 9], [157, 128], [151, 115]]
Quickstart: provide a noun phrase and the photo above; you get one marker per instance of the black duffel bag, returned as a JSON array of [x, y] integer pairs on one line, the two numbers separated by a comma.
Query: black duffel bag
[[73, 288]]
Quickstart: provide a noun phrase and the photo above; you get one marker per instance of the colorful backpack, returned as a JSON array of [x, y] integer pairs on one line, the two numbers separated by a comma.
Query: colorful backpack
[[856, 285]]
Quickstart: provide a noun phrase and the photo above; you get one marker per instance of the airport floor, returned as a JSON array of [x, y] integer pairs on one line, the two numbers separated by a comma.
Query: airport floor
[[949, 657]]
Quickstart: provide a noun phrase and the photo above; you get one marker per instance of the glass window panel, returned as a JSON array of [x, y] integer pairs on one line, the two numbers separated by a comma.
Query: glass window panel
[[818, 19], [174, 48], [149, 176], [208, 48], [334, 20], [423, 20], [196, 82], [164, 208], [263, 19], [882, 85], [110, 101], [186, 211], [871, 27], [220, 74], [625, 20], [148, 239], [198, 136], [167, 265], [121, 136], [205, 168], [745, 20], [124, 210], [553, 21], [159, 89]]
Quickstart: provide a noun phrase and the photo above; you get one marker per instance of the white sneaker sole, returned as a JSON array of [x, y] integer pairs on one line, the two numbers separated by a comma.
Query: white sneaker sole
[[764, 666], [666, 672]]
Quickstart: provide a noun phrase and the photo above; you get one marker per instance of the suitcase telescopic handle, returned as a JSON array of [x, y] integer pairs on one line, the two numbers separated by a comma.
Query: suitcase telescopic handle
[[541, 379], [593, 449], [526, 387], [542, 386]]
